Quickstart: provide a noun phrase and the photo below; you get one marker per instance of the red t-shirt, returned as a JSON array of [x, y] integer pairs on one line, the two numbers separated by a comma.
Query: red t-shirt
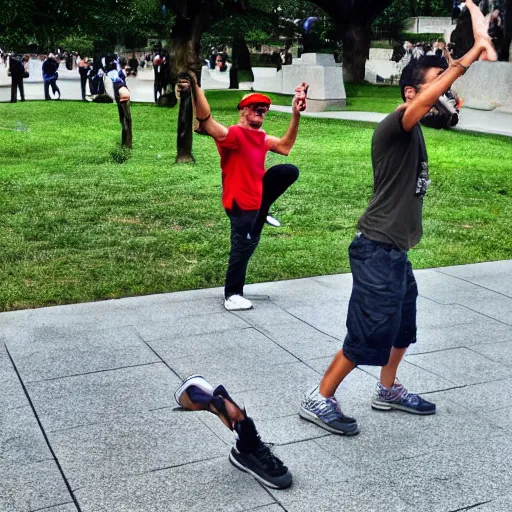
[[242, 160]]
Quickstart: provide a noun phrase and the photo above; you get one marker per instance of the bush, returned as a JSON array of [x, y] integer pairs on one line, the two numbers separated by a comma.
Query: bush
[[384, 44], [424, 37], [263, 60], [83, 45], [120, 155]]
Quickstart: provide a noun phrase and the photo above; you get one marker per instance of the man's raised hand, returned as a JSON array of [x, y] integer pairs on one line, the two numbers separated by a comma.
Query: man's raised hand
[[299, 101], [186, 81]]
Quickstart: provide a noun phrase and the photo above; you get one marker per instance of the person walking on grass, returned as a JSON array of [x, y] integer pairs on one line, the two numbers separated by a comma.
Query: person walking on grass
[[381, 320], [247, 190], [249, 454]]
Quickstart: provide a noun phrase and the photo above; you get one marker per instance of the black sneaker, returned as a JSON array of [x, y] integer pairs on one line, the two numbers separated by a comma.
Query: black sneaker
[[263, 465]]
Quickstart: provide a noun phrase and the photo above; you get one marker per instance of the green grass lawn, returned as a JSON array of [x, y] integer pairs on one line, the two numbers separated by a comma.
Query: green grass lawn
[[76, 226], [363, 98]]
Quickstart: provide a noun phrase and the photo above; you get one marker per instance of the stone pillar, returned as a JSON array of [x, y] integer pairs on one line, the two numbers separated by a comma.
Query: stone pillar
[[324, 77]]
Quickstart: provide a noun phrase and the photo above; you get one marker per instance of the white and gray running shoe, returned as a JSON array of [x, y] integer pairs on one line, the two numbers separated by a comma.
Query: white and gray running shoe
[[326, 413]]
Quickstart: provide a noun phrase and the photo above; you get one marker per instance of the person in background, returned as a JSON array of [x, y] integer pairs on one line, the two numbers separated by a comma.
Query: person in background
[[17, 72], [220, 62], [122, 98], [83, 70], [133, 64], [50, 76]]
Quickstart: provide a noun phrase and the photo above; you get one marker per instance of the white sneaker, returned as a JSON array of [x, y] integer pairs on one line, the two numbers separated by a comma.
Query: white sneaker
[[272, 221], [237, 303]]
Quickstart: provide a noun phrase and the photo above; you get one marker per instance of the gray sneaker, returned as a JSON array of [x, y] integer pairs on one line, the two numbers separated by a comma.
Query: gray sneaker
[[397, 397], [326, 413]]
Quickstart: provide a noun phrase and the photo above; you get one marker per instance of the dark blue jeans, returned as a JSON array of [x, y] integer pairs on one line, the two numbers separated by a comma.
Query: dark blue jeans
[[250, 222], [382, 307], [54, 86]]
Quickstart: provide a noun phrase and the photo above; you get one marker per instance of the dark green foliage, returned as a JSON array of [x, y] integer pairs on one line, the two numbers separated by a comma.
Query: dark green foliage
[[425, 37]]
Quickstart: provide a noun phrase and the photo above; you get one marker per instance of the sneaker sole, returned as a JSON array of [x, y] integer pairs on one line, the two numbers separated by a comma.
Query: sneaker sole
[[193, 380], [241, 467], [309, 416], [383, 406], [238, 308], [275, 224]]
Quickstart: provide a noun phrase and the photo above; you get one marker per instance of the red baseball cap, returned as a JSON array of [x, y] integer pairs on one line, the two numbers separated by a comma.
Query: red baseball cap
[[251, 99]]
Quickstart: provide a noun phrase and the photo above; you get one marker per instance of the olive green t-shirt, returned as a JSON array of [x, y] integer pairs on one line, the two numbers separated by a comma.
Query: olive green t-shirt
[[400, 180]]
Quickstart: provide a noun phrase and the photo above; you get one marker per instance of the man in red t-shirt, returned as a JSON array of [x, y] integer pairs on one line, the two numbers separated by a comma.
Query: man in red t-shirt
[[247, 190]]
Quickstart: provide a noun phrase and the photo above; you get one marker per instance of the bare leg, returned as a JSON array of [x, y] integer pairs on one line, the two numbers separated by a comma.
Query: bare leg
[[334, 375], [481, 30], [388, 372]]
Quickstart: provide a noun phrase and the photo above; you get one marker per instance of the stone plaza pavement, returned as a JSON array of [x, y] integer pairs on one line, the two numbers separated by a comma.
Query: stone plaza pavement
[[88, 421]]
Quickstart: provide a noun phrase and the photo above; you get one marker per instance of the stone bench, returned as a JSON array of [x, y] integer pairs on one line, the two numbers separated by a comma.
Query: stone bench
[[487, 86]]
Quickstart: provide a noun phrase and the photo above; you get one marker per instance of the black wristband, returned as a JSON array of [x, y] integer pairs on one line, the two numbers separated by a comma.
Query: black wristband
[[465, 68], [205, 119]]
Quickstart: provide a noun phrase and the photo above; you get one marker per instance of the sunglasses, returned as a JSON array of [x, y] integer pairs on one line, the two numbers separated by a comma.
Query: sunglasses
[[259, 108]]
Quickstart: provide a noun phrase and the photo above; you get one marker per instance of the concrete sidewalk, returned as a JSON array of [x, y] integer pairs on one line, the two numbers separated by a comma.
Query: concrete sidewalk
[[88, 421]]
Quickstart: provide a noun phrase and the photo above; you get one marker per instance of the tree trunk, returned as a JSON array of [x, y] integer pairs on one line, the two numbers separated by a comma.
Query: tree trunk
[[185, 124], [356, 49], [185, 43]]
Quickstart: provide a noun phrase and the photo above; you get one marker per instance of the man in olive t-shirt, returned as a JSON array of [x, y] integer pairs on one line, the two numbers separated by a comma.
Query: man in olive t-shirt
[[400, 166], [381, 320]]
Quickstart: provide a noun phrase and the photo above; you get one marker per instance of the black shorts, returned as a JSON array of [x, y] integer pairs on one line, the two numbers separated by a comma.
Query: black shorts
[[382, 308]]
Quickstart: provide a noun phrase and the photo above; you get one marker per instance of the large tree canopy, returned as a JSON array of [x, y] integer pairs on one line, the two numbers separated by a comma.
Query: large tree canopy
[[47, 22]]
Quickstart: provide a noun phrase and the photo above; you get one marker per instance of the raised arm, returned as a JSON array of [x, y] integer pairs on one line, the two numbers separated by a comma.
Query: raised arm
[[429, 94], [284, 145], [203, 112]]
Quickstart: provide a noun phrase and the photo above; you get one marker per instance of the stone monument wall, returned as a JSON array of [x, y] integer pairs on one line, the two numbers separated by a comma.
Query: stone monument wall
[[380, 54], [487, 86], [428, 24]]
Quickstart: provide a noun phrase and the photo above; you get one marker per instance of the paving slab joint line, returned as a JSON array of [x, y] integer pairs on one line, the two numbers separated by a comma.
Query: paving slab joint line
[[67, 429], [213, 431], [281, 347], [66, 482], [488, 358], [52, 506], [276, 501], [319, 436], [92, 372], [466, 386], [304, 322], [474, 284], [284, 348], [483, 314], [166, 468], [435, 351], [471, 506], [156, 353], [179, 377], [428, 371]]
